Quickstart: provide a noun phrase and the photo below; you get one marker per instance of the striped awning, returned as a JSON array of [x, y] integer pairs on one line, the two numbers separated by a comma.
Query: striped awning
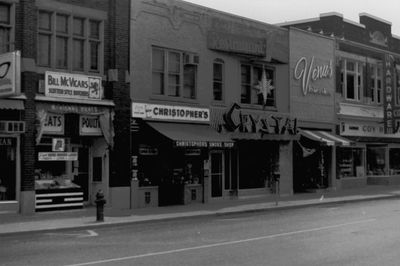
[[15, 104], [325, 137]]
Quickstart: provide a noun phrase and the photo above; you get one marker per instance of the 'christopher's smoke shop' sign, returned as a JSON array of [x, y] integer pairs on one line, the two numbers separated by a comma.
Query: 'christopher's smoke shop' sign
[[72, 86]]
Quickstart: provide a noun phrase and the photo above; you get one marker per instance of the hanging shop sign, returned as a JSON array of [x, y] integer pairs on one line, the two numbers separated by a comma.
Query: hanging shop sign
[[391, 111], [57, 156], [10, 74], [73, 86], [89, 125], [58, 144], [54, 124], [147, 150], [169, 112], [240, 120], [309, 73], [234, 43]]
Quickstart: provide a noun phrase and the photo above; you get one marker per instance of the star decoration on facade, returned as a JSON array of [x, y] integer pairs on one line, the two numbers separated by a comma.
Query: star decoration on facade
[[264, 86]]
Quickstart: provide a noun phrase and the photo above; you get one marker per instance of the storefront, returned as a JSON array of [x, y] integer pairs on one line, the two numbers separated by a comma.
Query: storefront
[[312, 84], [177, 157], [263, 149], [12, 129], [74, 135], [375, 159]]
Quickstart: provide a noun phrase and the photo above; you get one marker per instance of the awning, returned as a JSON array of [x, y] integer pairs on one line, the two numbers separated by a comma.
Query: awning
[[192, 135], [325, 137], [11, 104]]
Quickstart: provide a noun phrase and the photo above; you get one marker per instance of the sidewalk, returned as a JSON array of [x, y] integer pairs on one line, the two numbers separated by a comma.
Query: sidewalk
[[86, 218]]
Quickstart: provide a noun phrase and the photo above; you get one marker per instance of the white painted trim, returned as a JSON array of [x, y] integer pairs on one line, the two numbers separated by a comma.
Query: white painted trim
[[74, 101], [59, 194], [376, 18], [396, 36], [288, 23], [328, 14], [58, 205], [354, 23]]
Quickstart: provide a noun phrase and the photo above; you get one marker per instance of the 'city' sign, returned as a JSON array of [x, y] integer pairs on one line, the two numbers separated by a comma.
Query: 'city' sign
[[10, 68], [308, 73], [73, 86]]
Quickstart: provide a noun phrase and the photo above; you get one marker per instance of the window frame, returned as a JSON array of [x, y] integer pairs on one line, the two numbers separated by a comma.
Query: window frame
[[10, 26], [71, 37], [358, 78], [180, 75], [253, 82], [373, 75], [220, 82]]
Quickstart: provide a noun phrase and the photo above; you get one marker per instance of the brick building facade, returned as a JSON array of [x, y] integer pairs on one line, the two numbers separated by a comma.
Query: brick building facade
[[86, 43]]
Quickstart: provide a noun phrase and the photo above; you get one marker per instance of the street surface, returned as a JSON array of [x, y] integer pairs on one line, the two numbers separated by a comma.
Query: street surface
[[361, 233]]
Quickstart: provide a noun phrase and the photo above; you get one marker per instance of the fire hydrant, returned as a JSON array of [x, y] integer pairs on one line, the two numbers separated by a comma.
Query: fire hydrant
[[100, 201]]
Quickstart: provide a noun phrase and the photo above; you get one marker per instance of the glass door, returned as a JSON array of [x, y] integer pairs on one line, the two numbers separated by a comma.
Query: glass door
[[80, 169], [217, 173]]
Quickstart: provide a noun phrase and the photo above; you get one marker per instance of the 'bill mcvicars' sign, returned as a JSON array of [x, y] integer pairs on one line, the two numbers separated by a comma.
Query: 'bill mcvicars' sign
[[236, 43], [76, 86]]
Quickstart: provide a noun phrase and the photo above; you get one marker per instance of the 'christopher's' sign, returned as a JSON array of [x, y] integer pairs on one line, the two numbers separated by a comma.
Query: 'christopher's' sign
[[309, 73]]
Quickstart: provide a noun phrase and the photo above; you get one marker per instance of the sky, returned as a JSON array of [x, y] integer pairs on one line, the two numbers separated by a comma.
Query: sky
[[278, 11]]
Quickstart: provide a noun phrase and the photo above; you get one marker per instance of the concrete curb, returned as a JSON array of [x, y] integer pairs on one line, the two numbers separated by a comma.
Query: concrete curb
[[193, 214]]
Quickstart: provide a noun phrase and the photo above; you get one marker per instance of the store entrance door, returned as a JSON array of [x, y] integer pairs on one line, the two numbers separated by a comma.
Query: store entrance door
[[81, 169], [217, 173]]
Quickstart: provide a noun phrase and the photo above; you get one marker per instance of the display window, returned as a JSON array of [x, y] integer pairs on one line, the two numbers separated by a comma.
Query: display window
[[394, 161], [350, 162], [376, 160], [257, 164], [7, 169], [53, 174]]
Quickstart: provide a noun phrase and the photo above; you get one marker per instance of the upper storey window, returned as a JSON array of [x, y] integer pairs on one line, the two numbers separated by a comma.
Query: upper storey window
[[70, 42], [7, 26], [258, 85], [351, 79], [174, 73]]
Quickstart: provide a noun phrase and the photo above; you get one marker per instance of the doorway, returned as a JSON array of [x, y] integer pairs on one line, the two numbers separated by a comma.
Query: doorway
[[80, 169], [217, 174]]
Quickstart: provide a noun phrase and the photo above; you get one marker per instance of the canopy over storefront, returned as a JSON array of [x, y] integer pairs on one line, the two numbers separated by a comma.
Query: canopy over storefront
[[325, 137], [192, 135]]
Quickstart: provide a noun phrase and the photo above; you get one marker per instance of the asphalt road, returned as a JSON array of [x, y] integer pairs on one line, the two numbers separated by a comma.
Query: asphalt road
[[363, 233]]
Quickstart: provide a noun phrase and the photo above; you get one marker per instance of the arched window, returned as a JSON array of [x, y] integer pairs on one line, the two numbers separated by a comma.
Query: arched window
[[218, 80]]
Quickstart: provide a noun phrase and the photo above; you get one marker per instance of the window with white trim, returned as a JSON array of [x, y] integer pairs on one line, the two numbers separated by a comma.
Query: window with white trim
[[7, 26], [218, 79], [258, 85], [351, 78], [376, 81], [173, 74], [69, 42]]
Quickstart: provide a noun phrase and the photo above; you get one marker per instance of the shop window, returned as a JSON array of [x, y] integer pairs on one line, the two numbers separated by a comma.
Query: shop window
[[258, 85], [376, 82], [50, 174], [174, 73], [351, 78], [350, 162], [7, 26], [394, 161], [376, 160], [8, 170], [63, 47], [218, 80]]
